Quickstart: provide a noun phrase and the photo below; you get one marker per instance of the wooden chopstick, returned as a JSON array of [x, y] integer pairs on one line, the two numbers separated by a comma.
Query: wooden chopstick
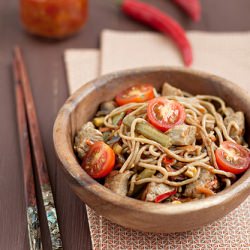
[[38, 151], [29, 184]]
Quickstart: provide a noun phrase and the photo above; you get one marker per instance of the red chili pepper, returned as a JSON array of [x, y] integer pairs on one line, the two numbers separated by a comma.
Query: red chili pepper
[[162, 197], [158, 20], [129, 111], [89, 142], [120, 122], [168, 161], [191, 7]]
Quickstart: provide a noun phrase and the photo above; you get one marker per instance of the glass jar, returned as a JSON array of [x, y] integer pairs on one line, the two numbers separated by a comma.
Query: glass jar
[[53, 18]]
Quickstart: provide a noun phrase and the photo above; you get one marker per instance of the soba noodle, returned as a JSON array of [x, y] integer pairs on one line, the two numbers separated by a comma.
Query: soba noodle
[[149, 154], [175, 165]]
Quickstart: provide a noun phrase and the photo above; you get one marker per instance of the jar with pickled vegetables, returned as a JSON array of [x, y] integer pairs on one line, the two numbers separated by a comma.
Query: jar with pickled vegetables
[[53, 18]]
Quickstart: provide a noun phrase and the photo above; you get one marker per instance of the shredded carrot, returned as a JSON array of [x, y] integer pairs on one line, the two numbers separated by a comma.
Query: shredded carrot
[[204, 190], [167, 162], [189, 148], [213, 138], [129, 111], [168, 167], [89, 142], [105, 129]]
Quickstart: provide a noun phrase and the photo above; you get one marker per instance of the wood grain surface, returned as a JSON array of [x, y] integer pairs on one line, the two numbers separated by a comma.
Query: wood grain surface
[[131, 213], [46, 70]]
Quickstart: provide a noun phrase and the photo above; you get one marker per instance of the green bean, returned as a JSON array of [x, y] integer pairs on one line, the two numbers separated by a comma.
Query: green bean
[[106, 136], [146, 173], [117, 118], [148, 131]]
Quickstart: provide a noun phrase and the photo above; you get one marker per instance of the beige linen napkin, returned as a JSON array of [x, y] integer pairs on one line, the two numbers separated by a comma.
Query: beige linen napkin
[[224, 54], [82, 66]]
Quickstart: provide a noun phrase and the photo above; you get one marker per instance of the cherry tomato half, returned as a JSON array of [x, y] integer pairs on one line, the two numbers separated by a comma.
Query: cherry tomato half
[[137, 93], [165, 114], [99, 160], [232, 157]]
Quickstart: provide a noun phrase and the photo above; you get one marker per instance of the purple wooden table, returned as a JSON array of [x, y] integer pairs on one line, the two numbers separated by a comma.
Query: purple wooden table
[[46, 69]]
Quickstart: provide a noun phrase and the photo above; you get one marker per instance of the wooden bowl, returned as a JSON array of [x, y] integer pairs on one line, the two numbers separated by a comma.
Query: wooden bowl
[[128, 212]]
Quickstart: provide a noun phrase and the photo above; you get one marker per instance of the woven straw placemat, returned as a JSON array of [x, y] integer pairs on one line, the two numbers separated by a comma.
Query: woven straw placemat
[[224, 54]]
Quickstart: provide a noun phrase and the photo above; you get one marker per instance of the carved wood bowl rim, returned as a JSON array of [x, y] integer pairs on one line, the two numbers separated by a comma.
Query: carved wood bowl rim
[[81, 182]]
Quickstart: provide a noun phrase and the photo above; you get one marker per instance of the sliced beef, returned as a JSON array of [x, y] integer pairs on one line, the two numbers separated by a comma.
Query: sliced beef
[[229, 111], [118, 182], [239, 119], [182, 135], [206, 180], [155, 189], [168, 90], [87, 132], [210, 124]]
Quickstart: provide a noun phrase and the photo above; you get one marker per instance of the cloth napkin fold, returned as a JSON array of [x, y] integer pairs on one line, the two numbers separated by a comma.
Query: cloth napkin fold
[[223, 54], [82, 65]]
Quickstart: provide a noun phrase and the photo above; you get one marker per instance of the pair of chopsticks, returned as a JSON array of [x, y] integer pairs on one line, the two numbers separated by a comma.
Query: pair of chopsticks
[[28, 129]]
